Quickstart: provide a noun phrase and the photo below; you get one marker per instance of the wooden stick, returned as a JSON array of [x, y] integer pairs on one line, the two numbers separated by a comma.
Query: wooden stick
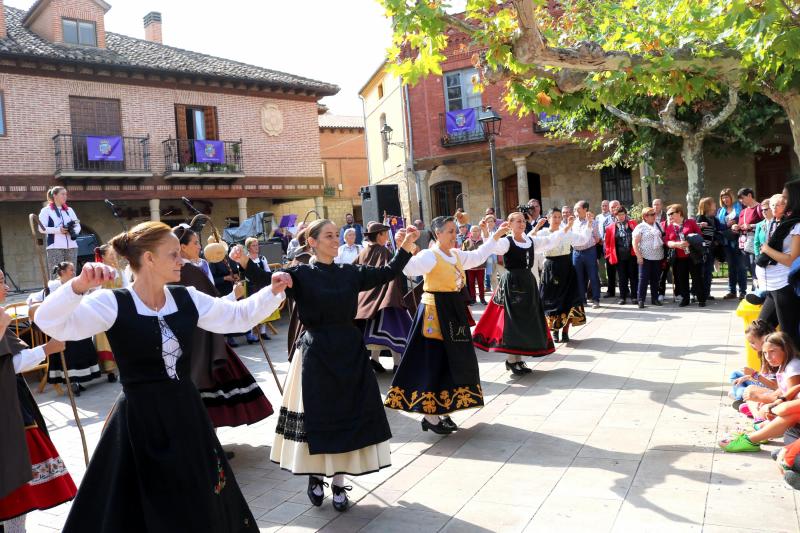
[[34, 222], [269, 361]]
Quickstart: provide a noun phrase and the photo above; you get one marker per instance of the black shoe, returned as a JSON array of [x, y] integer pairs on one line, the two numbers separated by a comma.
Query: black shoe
[[702, 304], [564, 338], [111, 377], [524, 368], [754, 299], [641, 305], [314, 482], [448, 423], [515, 369], [377, 367], [622, 302], [76, 389], [656, 302], [338, 491], [266, 337], [684, 303], [609, 295], [229, 454], [736, 404], [556, 336], [439, 429]]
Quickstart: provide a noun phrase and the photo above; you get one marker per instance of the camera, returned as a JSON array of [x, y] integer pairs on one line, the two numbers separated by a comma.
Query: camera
[[525, 209], [71, 229]]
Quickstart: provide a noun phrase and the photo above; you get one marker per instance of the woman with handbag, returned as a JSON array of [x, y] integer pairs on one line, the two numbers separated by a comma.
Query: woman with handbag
[[711, 229], [728, 215], [677, 232]]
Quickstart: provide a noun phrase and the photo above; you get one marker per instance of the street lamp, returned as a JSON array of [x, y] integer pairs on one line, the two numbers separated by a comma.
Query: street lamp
[[490, 122], [386, 133]]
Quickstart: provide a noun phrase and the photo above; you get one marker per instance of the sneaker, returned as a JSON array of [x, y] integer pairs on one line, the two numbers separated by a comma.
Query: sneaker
[[745, 410], [660, 299], [595, 305], [754, 298], [740, 443]]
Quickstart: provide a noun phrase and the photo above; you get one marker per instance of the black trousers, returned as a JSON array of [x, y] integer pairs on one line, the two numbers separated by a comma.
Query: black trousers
[[782, 307], [611, 276], [627, 270], [685, 268]]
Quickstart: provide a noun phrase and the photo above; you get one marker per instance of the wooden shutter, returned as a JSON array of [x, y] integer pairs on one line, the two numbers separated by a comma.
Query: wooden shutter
[[210, 117]]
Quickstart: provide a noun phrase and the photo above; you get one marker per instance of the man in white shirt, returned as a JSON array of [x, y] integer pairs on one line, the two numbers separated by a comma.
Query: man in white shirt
[[602, 217]]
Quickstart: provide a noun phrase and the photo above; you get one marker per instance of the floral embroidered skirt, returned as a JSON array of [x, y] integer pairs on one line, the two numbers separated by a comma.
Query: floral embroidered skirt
[[388, 330], [560, 297], [51, 484], [424, 383], [290, 447]]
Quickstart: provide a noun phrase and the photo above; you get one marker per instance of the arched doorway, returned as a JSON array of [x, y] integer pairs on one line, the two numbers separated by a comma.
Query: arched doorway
[[773, 170], [443, 198], [511, 192]]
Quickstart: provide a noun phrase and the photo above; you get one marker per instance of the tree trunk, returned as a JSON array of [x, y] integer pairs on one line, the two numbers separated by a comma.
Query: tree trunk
[[792, 108], [692, 155]]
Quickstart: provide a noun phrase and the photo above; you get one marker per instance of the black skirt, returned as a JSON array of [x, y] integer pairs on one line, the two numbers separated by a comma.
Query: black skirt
[[82, 363], [159, 468], [560, 297]]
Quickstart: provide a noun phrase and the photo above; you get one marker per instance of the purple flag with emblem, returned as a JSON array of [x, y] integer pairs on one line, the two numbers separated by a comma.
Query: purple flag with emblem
[[461, 121], [209, 151], [104, 149]]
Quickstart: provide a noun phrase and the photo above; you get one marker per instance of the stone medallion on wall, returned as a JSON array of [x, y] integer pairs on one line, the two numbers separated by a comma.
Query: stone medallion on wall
[[271, 120]]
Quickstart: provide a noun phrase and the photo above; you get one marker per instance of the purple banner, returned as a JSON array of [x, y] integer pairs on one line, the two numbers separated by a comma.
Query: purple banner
[[462, 121], [104, 148], [287, 221], [209, 151]]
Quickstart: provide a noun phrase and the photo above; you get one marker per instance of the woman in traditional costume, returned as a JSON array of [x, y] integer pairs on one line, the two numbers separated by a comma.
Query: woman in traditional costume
[[332, 421], [302, 256], [33, 476], [158, 466], [81, 356], [513, 322], [251, 287], [561, 299], [386, 320], [438, 373], [105, 254], [229, 392]]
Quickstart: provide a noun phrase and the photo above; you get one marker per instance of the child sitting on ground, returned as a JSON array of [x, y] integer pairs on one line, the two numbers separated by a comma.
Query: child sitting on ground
[[779, 352], [755, 334]]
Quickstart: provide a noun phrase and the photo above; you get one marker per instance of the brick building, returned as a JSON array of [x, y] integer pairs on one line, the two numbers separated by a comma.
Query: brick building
[[453, 168], [65, 81], [344, 162]]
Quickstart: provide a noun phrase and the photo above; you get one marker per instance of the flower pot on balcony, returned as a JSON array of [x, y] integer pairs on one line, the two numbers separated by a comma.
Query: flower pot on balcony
[[176, 166]]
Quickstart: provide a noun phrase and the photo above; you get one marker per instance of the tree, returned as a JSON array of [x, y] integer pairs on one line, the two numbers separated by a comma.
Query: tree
[[595, 54]]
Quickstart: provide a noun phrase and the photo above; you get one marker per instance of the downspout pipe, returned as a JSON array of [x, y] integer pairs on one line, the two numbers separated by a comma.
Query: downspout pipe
[[410, 149]]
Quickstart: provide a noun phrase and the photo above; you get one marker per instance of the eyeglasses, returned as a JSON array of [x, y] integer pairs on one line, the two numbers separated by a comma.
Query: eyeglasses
[[669, 214]]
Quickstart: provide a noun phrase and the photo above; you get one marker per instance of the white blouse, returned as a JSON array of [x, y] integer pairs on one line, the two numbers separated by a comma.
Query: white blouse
[[67, 316], [542, 243], [424, 261], [27, 359], [578, 236]]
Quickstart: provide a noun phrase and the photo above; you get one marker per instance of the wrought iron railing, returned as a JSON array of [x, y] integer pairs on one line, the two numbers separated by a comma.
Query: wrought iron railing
[[72, 154], [180, 156], [474, 135]]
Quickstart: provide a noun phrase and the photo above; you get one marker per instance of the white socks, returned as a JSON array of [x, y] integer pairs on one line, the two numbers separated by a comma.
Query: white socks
[[338, 481], [514, 358], [375, 355], [318, 490], [15, 525], [433, 419]]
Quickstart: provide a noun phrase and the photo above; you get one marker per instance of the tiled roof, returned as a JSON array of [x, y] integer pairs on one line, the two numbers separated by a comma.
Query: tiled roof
[[338, 121], [124, 51]]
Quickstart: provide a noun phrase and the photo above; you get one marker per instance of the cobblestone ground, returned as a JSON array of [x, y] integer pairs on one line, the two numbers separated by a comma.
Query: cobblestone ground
[[615, 432]]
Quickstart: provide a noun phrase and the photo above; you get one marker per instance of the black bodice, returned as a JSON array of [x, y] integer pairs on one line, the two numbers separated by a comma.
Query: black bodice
[[136, 339], [517, 257]]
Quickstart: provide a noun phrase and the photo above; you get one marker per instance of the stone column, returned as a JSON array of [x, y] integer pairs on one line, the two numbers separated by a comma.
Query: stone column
[[523, 194], [319, 206], [242, 204], [155, 209], [422, 177]]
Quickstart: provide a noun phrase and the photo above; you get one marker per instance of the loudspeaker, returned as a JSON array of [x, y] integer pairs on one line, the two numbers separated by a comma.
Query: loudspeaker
[[377, 200]]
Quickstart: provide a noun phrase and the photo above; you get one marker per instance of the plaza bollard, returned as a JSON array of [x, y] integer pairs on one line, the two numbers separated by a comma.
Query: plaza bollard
[[749, 312]]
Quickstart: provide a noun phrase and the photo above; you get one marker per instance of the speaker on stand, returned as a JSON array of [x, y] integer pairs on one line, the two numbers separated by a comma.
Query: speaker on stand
[[377, 200]]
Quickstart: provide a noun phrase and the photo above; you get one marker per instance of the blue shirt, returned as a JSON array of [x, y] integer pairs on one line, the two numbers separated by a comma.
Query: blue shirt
[[359, 232]]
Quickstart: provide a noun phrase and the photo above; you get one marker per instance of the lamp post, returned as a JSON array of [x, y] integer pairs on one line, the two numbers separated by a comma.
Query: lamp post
[[490, 122]]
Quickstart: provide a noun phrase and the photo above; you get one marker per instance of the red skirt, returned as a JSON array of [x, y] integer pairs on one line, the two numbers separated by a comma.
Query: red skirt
[[51, 484]]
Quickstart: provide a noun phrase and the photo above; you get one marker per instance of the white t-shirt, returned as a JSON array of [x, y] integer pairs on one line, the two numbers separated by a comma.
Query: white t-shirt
[[777, 276], [791, 370]]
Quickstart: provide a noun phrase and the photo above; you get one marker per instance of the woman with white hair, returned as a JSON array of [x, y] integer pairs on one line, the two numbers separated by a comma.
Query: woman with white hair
[[348, 252]]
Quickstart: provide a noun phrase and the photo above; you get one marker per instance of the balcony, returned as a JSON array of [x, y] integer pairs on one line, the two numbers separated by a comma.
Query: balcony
[[113, 156], [461, 128], [191, 159]]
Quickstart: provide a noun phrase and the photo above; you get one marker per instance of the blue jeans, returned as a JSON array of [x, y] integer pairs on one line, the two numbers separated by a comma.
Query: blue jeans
[[707, 274], [649, 275], [585, 263], [737, 270], [737, 392]]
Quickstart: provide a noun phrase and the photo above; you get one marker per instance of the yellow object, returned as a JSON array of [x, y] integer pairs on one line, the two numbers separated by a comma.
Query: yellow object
[[749, 312], [443, 278]]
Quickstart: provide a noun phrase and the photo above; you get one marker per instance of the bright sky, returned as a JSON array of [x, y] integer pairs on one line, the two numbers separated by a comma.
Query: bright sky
[[341, 42]]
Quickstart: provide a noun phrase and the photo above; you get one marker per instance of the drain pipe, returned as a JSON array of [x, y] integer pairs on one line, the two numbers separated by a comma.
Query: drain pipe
[[410, 149]]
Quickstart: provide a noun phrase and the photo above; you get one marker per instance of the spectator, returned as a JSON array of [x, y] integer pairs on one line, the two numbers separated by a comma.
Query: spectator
[[611, 270], [566, 212], [602, 217], [648, 244], [491, 263], [661, 221], [424, 238], [658, 207], [490, 211], [677, 234], [475, 275], [755, 334], [762, 234], [348, 252], [253, 250], [281, 236], [746, 226], [620, 252], [463, 234], [294, 244], [350, 223], [711, 229], [728, 215], [782, 305], [58, 218], [225, 274], [584, 258]]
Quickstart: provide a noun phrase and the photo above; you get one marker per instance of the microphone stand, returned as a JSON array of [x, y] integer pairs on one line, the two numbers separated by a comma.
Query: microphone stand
[[115, 212]]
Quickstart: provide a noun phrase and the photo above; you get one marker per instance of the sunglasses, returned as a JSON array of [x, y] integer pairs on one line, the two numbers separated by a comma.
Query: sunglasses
[[671, 213]]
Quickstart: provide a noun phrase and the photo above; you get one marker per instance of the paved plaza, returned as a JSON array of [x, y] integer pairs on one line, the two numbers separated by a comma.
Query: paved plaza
[[615, 432]]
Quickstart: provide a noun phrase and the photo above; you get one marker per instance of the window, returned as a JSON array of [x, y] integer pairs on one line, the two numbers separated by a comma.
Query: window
[[380, 90], [384, 144], [617, 184], [79, 32], [2, 115], [459, 91], [444, 198]]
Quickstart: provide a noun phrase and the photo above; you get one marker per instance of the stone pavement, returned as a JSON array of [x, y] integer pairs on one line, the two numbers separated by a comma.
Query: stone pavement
[[615, 432]]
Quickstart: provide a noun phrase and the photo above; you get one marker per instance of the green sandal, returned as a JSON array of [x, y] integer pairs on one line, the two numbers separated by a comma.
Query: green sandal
[[741, 443]]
